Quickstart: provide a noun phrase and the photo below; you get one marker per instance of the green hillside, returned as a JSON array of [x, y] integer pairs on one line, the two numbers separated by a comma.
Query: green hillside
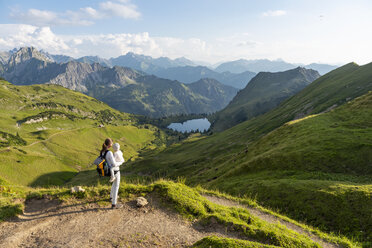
[[48, 133], [322, 160], [52, 133], [263, 93]]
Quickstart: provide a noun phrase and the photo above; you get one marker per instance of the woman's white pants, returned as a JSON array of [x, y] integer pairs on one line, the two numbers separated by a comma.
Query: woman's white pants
[[115, 189]]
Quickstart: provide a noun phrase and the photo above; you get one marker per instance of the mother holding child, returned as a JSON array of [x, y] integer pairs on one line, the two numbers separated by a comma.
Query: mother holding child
[[114, 160]]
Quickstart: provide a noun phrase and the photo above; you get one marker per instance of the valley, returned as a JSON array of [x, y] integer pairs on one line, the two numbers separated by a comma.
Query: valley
[[185, 124], [272, 176]]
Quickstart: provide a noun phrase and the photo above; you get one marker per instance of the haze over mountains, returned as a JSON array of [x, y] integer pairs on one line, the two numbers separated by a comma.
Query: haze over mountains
[[160, 66], [265, 65], [127, 89]]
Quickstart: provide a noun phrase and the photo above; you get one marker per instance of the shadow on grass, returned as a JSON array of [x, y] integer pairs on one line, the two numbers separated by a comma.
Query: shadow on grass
[[9, 211], [53, 179]]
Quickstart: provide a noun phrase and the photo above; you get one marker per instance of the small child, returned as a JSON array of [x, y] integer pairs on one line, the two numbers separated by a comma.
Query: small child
[[118, 156]]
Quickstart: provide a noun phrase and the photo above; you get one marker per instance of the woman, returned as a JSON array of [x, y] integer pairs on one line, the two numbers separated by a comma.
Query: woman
[[115, 165]]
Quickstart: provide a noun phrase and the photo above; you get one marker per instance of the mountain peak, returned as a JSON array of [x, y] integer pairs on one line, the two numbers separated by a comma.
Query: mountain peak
[[26, 53]]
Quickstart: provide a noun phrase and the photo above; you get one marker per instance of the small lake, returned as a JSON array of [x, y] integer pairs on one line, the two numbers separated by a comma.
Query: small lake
[[191, 125]]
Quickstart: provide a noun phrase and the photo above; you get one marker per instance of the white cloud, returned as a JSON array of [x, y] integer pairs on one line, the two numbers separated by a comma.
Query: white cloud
[[274, 13], [18, 35], [125, 9], [103, 45], [82, 17], [50, 18], [90, 12], [240, 45]]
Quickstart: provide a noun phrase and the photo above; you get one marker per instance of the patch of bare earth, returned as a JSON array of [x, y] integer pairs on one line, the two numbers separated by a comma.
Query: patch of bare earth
[[271, 219], [49, 223]]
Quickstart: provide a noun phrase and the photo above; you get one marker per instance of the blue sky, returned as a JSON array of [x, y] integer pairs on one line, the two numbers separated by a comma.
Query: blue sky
[[327, 31]]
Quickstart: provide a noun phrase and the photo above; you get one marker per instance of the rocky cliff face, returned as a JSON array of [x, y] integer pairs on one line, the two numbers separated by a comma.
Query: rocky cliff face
[[24, 55], [4, 57]]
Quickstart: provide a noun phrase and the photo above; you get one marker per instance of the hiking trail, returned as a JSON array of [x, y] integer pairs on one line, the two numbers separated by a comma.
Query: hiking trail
[[49, 223], [271, 219]]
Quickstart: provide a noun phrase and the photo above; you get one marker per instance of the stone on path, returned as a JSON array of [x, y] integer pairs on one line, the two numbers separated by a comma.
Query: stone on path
[[141, 202]]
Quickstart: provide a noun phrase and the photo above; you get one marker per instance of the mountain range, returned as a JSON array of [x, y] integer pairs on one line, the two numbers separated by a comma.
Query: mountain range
[[160, 67], [263, 93], [126, 89], [265, 65], [189, 74]]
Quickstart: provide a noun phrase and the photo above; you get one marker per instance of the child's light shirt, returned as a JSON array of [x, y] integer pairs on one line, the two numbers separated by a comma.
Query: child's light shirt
[[118, 156]]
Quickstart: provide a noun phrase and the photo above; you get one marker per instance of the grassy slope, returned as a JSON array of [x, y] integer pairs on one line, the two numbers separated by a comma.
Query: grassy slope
[[263, 93], [59, 147], [324, 160]]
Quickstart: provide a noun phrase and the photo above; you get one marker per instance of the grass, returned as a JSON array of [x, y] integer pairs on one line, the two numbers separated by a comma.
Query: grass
[[190, 204], [248, 201], [218, 242], [323, 161], [9, 200], [66, 138]]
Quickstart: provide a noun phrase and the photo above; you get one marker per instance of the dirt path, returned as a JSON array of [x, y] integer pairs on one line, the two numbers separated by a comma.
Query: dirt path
[[271, 219], [47, 223]]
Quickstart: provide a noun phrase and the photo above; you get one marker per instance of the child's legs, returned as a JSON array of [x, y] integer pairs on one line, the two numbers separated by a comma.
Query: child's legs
[[112, 172], [115, 188]]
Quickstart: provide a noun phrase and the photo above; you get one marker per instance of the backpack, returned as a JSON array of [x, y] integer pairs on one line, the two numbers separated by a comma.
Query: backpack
[[103, 168]]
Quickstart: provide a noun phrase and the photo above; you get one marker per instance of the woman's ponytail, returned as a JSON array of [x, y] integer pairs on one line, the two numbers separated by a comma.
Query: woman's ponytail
[[106, 144]]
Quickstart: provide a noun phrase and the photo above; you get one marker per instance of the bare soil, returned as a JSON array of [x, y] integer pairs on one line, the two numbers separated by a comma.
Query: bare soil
[[50, 223]]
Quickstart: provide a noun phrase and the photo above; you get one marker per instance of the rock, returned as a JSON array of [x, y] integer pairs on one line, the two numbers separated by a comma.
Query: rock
[[141, 202], [77, 189]]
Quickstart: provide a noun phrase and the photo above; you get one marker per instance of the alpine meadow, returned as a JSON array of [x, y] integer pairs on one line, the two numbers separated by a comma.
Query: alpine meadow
[[240, 124]]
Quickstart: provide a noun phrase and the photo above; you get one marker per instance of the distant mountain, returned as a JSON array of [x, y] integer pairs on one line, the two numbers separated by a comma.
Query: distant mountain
[[263, 93], [189, 74], [24, 55], [4, 57], [219, 94], [259, 65], [148, 64], [136, 62], [57, 58], [123, 88], [93, 60], [264, 65], [321, 68], [157, 97], [165, 62]]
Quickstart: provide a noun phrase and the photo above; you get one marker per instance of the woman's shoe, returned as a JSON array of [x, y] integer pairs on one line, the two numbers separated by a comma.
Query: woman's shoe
[[116, 206]]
